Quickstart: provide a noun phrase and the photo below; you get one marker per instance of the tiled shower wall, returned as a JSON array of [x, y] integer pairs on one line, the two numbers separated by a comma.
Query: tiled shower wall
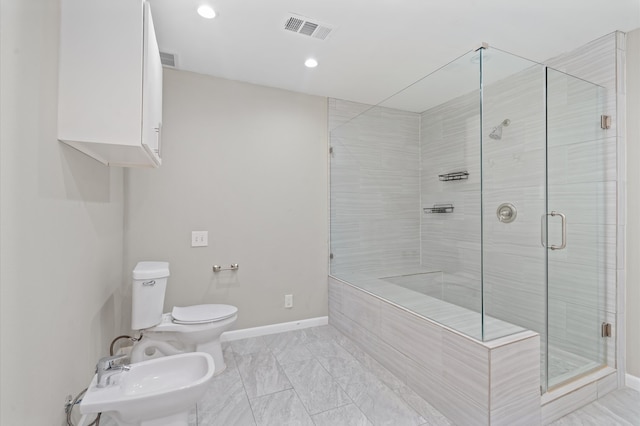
[[449, 142], [374, 188]]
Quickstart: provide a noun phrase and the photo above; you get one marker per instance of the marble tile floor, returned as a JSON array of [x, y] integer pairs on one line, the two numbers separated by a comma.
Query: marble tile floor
[[317, 376], [314, 376], [618, 408]]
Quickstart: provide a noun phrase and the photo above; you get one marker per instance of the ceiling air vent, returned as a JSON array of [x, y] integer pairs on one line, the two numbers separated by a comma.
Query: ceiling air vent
[[168, 59], [306, 26]]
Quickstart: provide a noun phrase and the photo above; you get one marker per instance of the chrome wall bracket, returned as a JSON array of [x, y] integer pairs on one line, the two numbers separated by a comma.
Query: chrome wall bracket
[[233, 267], [439, 208], [446, 177]]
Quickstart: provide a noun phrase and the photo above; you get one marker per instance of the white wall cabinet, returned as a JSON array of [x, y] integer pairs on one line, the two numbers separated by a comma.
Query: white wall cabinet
[[110, 82]]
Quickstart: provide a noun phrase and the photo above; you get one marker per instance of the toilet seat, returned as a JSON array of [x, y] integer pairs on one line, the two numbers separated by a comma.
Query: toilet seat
[[202, 314]]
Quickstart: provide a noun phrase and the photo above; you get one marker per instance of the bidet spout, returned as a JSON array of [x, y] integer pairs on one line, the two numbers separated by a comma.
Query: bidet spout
[[107, 367]]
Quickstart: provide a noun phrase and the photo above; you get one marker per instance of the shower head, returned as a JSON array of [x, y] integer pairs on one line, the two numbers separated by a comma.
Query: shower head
[[496, 133]]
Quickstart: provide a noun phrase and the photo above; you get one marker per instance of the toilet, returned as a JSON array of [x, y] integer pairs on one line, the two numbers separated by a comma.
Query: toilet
[[185, 329]]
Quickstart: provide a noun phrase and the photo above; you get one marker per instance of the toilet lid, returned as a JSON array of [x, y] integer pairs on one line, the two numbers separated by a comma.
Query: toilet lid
[[199, 314]]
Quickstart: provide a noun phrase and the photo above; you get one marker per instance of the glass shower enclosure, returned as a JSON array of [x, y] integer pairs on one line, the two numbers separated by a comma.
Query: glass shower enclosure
[[482, 197]]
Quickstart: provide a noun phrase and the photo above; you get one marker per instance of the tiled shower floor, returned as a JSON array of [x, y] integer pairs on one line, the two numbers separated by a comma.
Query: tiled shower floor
[[565, 365], [317, 376]]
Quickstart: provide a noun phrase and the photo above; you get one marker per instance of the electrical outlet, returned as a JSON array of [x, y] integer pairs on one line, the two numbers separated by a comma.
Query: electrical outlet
[[199, 238], [288, 301]]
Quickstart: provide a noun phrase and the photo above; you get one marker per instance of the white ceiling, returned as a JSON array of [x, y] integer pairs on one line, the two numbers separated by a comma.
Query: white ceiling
[[378, 46]]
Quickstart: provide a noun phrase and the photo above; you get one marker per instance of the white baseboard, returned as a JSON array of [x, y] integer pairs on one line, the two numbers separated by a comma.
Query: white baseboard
[[273, 329], [632, 382]]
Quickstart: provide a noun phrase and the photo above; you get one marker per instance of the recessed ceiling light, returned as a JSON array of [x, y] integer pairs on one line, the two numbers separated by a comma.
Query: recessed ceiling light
[[206, 11], [311, 63]]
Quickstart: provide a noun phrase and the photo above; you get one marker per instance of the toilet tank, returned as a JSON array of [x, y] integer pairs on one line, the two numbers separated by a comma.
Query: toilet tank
[[149, 285]]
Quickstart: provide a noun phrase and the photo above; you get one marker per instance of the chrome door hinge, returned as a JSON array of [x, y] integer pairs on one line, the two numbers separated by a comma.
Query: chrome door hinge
[[605, 122], [330, 150], [606, 329]]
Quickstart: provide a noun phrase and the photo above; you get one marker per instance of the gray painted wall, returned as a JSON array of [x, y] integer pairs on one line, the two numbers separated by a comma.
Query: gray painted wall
[[61, 232], [248, 164]]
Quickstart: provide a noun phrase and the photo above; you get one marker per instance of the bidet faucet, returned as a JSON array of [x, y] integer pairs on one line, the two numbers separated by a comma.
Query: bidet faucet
[[107, 367]]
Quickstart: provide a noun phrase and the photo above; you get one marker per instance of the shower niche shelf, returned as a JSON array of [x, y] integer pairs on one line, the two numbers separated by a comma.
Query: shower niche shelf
[[446, 177], [439, 208]]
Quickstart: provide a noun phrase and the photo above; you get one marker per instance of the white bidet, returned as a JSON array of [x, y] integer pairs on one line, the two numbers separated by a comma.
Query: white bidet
[[159, 392]]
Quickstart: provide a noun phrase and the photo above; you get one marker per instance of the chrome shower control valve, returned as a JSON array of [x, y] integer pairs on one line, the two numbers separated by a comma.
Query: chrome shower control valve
[[506, 212]]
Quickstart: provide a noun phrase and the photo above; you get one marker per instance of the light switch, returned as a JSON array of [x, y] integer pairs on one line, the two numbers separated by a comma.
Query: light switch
[[288, 301], [199, 238]]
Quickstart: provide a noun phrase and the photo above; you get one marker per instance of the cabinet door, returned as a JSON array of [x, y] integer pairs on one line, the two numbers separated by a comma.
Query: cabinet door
[[152, 90], [101, 46]]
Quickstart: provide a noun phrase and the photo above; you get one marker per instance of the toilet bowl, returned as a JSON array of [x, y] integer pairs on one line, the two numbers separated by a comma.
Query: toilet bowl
[[184, 329]]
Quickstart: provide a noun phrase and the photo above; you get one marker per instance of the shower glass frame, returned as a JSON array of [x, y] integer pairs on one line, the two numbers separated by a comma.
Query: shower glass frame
[[485, 278]]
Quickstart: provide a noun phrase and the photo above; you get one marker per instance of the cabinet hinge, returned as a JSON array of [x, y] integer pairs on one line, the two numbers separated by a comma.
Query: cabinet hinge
[[606, 329]]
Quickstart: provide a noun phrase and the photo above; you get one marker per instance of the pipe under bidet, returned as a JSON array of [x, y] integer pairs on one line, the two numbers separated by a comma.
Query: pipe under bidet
[[124, 336], [75, 401]]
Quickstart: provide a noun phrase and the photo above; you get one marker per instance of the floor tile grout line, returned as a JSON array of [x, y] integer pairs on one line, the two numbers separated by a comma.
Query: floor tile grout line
[[366, 368], [293, 387], [335, 379], [335, 408], [303, 406], [333, 338], [235, 359], [362, 367], [296, 391], [609, 411]]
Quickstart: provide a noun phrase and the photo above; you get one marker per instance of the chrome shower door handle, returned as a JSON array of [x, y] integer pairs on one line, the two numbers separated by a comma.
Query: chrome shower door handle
[[543, 227], [564, 231]]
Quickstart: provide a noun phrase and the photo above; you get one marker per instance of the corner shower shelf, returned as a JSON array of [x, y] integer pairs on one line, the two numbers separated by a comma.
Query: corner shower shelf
[[454, 176], [439, 208]]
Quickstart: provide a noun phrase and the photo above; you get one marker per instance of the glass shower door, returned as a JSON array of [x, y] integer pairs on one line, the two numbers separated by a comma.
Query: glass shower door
[[579, 227]]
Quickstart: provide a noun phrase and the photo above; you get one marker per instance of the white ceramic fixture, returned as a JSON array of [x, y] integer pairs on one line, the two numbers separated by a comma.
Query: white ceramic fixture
[[184, 329], [159, 392]]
